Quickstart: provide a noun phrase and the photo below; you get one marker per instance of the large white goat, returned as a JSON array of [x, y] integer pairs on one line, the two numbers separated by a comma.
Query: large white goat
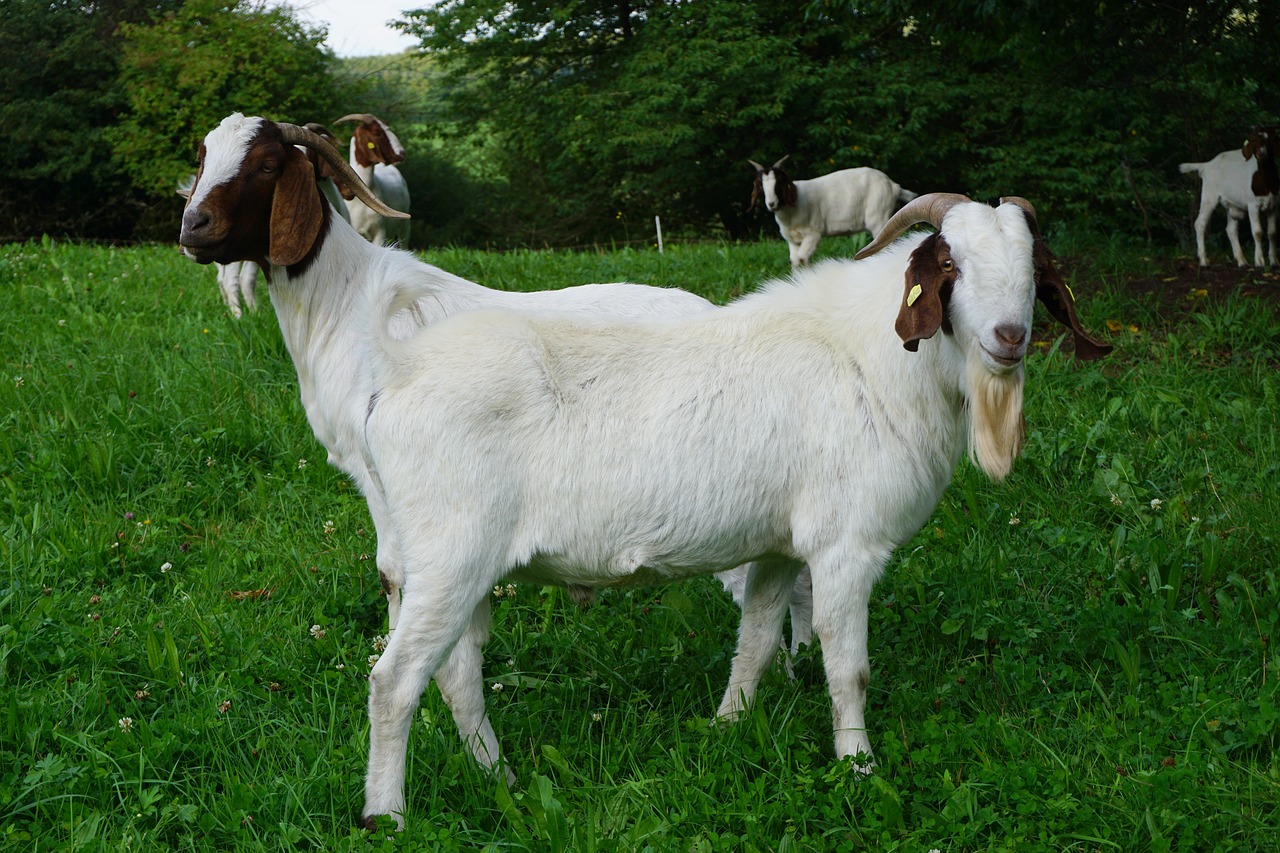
[[836, 204], [1245, 189], [375, 150], [791, 427], [320, 271]]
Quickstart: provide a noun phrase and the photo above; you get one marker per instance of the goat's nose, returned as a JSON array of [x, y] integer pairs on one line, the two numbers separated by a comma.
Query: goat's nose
[[194, 220], [1010, 335]]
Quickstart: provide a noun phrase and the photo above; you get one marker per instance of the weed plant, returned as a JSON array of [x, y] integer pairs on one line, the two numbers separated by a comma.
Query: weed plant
[[1080, 658]]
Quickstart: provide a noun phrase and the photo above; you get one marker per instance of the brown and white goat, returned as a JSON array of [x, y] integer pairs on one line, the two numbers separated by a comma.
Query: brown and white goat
[[255, 199], [836, 204], [1246, 183], [375, 151]]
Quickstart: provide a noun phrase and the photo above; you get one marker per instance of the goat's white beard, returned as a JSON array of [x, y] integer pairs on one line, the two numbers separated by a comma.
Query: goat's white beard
[[996, 427]]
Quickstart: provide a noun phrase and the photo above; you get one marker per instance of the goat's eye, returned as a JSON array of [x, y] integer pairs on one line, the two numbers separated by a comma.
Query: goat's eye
[[269, 166], [948, 265]]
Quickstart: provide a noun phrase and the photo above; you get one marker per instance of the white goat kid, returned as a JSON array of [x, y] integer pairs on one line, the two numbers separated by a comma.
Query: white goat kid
[[836, 204], [790, 427], [375, 150], [1247, 184], [251, 202]]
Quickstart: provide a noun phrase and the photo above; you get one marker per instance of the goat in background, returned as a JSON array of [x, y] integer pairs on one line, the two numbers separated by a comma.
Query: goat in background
[[1244, 188], [837, 204], [375, 150]]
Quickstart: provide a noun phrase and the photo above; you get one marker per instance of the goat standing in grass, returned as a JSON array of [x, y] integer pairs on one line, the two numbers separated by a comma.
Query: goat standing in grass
[[1247, 184], [255, 199], [791, 427], [833, 205], [375, 150]]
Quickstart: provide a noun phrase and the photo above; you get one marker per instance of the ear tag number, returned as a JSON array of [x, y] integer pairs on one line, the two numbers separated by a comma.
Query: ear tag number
[[916, 290]]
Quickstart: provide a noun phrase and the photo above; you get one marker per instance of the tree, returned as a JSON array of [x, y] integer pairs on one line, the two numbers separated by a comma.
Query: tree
[[187, 71], [58, 94]]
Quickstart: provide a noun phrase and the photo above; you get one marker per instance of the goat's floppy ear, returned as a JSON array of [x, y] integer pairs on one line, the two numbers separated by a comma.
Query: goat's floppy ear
[[929, 277], [296, 212], [1057, 297], [786, 188], [1054, 292]]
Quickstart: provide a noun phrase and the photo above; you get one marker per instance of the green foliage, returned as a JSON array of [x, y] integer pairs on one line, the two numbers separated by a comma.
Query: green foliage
[[58, 97], [187, 71], [1080, 657]]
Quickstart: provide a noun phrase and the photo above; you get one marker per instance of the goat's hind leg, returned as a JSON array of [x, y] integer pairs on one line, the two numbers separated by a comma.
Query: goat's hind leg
[[765, 601], [461, 683], [434, 615]]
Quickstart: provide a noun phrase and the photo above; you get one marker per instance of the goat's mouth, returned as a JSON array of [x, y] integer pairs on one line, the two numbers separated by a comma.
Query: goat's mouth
[[1008, 359]]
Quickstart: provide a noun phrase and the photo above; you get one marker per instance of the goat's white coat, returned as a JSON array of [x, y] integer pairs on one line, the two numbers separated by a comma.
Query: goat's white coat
[[323, 322], [1227, 180], [789, 427], [835, 204]]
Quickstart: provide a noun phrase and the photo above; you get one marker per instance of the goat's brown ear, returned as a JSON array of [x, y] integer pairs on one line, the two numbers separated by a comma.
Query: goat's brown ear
[[929, 277], [296, 214], [1057, 297], [787, 192]]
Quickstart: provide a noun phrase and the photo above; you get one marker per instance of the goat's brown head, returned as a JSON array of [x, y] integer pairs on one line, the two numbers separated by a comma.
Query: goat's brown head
[[321, 163], [773, 185], [255, 196], [373, 142], [1260, 146]]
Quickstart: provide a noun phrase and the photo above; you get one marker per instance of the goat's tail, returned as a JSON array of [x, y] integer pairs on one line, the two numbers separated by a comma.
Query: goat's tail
[[905, 196], [1184, 168]]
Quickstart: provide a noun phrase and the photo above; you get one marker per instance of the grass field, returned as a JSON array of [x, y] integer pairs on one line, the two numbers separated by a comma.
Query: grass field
[[1081, 658]]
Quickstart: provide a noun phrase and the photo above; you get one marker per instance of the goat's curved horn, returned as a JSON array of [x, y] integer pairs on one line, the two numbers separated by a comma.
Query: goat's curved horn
[[778, 164], [363, 118], [295, 135], [926, 208], [759, 168], [1019, 202]]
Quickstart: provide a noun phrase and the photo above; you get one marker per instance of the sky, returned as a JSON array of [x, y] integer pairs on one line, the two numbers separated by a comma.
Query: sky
[[359, 27]]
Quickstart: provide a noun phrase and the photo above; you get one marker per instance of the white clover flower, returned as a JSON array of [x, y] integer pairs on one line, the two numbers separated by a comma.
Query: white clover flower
[[373, 659], [1115, 499], [328, 527], [317, 632], [302, 463], [1155, 503], [165, 567], [497, 687], [125, 724], [597, 717], [1014, 520], [380, 643]]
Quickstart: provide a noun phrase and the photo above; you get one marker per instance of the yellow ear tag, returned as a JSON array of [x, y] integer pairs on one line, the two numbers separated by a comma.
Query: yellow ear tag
[[371, 146], [916, 290]]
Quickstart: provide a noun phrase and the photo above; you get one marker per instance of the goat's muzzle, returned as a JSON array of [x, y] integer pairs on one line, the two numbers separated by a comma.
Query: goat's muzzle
[[199, 238], [1006, 348]]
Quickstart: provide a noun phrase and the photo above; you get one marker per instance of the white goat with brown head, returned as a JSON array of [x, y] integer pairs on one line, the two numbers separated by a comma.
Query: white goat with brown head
[[375, 150], [1247, 184], [836, 204], [255, 199], [791, 427]]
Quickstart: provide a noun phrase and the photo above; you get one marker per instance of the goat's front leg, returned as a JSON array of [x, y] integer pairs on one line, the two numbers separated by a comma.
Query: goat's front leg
[[765, 600], [461, 683], [434, 617], [804, 253], [388, 560], [841, 596], [1258, 227]]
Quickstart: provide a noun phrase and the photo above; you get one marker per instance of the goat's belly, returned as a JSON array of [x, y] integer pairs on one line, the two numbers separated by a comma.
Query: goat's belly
[[651, 563]]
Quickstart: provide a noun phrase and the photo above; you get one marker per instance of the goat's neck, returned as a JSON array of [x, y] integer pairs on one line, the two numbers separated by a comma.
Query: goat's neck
[[365, 172]]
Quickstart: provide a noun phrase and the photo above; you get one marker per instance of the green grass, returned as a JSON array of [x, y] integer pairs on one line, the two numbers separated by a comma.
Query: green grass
[[1080, 658]]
